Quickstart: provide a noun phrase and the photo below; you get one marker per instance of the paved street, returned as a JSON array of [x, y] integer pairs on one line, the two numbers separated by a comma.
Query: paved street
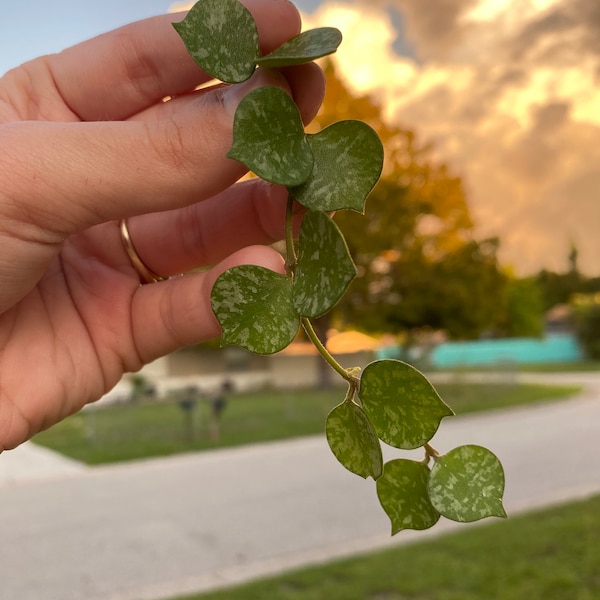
[[157, 528]]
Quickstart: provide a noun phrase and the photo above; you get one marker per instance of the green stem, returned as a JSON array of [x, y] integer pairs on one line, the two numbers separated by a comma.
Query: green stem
[[329, 359], [290, 248]]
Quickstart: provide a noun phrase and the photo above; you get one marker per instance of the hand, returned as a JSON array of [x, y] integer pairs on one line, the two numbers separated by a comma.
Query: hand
[[87, 140]]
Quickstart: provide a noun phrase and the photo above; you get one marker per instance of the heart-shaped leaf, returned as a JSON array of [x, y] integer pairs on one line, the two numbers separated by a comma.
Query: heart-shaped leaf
[[353, 440], [304, 48], [402, 492], [467, 484], [255, 309], [269, 138], [222, 38], [403, 406], [348, 159], [325, 268]]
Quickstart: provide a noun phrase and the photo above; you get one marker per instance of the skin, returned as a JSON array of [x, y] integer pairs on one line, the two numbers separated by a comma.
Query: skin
[[87, 140]]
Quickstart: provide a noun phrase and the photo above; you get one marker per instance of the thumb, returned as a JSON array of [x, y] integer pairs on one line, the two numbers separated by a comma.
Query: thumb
[[180, 308]]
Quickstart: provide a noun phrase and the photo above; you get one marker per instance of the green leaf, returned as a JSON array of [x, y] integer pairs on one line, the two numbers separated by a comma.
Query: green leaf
[[353, 440], [348, 159], [467, 484], [304, 48], [255, 309], [403, 406], [402, 492], [269, 138], [222, 38], [325, 268]]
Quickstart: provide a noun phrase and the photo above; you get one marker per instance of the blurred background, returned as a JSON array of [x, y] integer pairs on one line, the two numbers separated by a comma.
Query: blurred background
[[478, 262]]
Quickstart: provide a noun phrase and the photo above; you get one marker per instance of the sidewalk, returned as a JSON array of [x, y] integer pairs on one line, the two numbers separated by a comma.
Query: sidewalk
[[154, 529], [32, 463]]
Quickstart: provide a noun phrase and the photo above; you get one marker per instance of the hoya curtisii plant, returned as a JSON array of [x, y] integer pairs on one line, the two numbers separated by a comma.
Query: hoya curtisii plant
[[262, 311]]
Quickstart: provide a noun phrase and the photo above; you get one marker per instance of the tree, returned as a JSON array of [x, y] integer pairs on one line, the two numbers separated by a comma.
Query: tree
[[588, 325], [418, 261], [559, 288], [524, 309]]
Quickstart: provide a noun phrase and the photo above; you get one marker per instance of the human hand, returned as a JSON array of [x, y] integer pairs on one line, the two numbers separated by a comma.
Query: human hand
[[87, 140]]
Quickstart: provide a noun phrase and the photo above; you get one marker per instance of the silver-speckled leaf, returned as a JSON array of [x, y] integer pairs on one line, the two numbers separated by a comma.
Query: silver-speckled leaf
[[348, 161], [325, 268], [304, 48], [403, 406], [402, 492], [254, 307], [269, 138], [353, 440], [467, 484], [222, 38]]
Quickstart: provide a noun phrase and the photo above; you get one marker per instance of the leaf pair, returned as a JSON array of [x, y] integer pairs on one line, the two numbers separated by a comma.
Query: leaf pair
[[331, 170], [221, 36], [464, 485], [400, 406], [397, 405], [261, 310]]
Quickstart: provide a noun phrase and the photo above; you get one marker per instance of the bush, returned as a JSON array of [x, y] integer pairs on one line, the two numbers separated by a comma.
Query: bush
[[588, 329]]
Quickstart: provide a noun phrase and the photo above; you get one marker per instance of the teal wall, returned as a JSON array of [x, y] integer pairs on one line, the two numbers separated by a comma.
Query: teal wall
[[559, 348]]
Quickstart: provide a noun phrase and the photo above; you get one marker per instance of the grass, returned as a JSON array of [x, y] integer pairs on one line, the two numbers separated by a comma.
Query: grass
[[131, 431], [575, 367], [552, 554], [566, 367]]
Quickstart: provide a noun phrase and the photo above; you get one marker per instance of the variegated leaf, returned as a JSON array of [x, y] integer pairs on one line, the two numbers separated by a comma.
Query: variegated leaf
[[403, 406], [467, 484], [303, 48], [325, 268], [353, 440], [255, 309], [402, 492], [222, 38], [269, 138], [348, 161]]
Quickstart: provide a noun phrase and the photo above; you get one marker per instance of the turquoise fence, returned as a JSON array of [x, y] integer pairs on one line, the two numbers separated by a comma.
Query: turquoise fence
[[557, 348]]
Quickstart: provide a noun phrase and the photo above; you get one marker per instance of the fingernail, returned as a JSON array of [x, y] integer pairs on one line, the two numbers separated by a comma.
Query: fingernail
[[234, 94]]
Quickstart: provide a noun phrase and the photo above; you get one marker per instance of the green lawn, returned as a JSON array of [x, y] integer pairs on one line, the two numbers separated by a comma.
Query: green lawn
[[130, 431], [567, 367], [548, 555]]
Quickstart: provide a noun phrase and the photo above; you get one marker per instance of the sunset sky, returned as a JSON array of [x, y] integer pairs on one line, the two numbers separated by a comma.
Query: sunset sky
[[507, 90]]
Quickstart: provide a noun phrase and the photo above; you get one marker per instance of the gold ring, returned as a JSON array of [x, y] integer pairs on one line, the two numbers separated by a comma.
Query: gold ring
[[146, 274]]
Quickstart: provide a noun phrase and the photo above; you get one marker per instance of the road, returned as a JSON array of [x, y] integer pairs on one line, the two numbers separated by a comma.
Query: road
[[153, 529]]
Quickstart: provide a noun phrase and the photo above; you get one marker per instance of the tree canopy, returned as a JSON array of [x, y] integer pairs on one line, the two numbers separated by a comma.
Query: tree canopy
[[419, 262]]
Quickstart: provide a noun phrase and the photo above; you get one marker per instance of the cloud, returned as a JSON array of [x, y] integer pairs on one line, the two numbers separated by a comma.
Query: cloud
[[508, 91], [179, 6]]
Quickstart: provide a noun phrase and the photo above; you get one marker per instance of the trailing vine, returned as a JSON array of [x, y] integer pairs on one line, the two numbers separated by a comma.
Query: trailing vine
[[262, 311]]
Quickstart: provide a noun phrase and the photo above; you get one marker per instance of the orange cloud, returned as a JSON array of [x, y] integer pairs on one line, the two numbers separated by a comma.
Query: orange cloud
[[509, 95], [179, 6]]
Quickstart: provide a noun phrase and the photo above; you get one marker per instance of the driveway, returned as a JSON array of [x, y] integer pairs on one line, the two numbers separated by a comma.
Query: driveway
[[157, 528]]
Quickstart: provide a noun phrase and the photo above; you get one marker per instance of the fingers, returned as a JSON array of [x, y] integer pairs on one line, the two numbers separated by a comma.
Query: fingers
[[250, 213], [118, 74], [172, 314], [80, 174]]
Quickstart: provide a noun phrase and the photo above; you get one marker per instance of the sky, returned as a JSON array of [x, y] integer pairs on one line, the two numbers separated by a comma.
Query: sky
[[508, 92]]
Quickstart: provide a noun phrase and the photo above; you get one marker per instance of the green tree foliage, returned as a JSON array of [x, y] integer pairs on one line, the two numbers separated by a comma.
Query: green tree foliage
[[418, 262], [587, 320], [558, 288], [561, 287], [524, 309]]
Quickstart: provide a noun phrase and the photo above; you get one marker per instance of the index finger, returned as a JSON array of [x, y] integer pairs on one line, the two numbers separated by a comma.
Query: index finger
[[116, 75]]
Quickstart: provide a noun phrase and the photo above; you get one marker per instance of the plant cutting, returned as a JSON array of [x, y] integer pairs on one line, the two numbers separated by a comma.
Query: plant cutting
[[262, 311]]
